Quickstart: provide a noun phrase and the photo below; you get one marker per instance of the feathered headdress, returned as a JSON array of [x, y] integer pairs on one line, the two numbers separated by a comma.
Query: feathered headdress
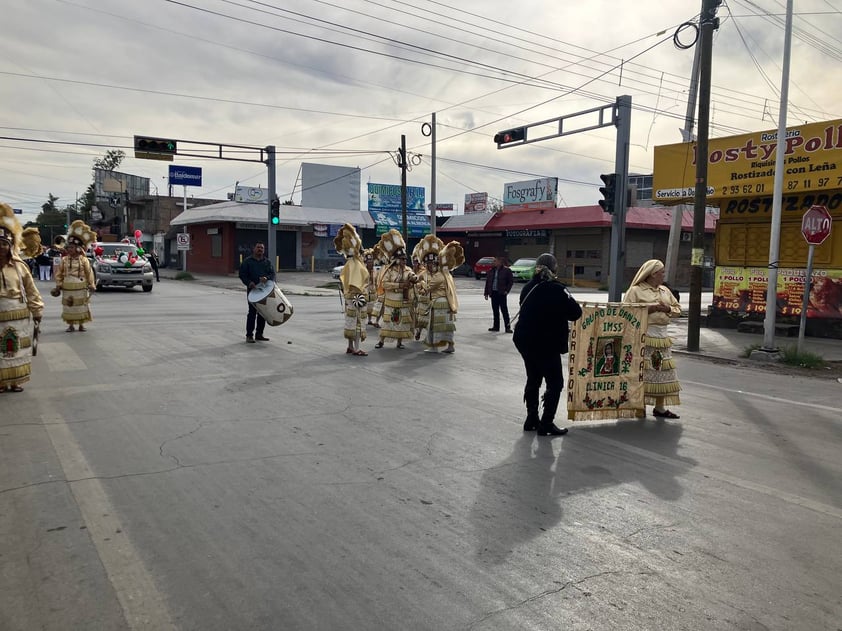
[[80, 234], [30, 242], [347, 241], [430, 247], [392, 243], [10, 228], [452, 256]]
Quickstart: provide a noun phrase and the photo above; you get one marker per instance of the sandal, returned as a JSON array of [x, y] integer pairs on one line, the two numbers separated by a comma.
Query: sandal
[[349, 351], [375, 325], [361, 353], [401, 345], [664, 414], [379, 344], [70, 329], [82, 328], [16, 388]]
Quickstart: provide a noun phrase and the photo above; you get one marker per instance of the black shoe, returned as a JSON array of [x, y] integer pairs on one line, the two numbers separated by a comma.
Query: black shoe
[[495, 330], [550, 429], [262, 339], [664, 414], [249, 339], [530, 424], [508, 330]]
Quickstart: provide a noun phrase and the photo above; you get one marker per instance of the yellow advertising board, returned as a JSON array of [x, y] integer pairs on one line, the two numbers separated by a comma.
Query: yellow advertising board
[[744, 166]]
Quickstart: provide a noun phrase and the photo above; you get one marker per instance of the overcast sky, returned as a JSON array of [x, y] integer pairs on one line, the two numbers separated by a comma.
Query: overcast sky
[[337, 82]]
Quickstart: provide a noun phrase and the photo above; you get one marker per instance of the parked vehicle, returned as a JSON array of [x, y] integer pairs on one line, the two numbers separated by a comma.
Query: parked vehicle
[[482, 266], [523, 269]]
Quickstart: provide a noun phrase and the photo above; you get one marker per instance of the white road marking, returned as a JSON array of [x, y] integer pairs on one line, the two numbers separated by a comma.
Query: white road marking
[[144, 607], [807, 404]]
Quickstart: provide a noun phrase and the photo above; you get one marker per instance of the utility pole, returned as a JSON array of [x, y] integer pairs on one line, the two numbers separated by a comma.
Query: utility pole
[[768, 348], [708, 23], [674, 242], [402, 165], [433, 178]]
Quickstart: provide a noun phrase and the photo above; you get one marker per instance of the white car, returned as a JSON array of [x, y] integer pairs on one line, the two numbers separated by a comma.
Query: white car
[[336, 271]]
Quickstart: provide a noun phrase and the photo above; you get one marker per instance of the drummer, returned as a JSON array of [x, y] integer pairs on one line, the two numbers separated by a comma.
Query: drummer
[[255, 270]]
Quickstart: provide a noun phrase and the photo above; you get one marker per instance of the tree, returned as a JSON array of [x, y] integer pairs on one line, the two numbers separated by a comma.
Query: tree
[[112, 159]]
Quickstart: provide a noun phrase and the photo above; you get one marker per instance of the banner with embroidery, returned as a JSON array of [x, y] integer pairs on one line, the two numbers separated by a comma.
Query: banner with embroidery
[[605, 379]]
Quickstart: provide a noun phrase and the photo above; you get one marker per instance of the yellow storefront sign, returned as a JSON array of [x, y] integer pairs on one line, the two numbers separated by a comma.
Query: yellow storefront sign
[[744, 166]]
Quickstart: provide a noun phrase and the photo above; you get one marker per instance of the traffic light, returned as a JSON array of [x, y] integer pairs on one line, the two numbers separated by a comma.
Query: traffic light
[[608, 191], [275, 215], [510, 135], [154, 148]]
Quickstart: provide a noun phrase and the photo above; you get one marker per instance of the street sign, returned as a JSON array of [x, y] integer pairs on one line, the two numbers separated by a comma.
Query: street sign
[[815, 225], [183, 240], [185, 176]]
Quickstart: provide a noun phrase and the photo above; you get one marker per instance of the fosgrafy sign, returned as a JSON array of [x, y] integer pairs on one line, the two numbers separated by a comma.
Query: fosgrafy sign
[[744, 165], [540, 193]]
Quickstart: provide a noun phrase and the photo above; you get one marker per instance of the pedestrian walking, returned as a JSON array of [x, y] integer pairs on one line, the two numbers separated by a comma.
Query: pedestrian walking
[[661, 385], [541, 337], [498, 284]]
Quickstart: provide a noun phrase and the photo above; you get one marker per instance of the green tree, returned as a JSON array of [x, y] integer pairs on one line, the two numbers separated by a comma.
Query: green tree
[[112, 159]]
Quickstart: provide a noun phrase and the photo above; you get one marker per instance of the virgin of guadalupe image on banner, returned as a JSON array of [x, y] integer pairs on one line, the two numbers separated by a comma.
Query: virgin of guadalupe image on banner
[[606, 363]]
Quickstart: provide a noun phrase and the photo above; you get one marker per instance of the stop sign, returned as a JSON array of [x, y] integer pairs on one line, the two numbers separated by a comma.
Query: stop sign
[[815, 225]]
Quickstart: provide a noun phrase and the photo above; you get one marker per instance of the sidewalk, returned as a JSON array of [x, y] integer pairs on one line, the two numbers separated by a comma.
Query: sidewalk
[[725, 344]]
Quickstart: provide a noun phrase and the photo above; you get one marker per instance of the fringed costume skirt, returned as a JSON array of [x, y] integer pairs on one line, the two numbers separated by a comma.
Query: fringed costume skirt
[[74, 301], [442, 324], [397, 319], [354, 321], [15, 342], [660, 380]]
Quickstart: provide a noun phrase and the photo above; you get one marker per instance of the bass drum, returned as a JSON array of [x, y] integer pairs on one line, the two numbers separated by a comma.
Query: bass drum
[[269, 301]]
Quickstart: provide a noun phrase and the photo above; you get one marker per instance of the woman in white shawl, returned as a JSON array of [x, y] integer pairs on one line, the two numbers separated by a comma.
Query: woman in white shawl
[[661, 384]]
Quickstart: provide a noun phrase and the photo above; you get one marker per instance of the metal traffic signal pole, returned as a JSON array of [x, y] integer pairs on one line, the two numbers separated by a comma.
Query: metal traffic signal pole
[[617, 264], [708, 24], [272, 229]]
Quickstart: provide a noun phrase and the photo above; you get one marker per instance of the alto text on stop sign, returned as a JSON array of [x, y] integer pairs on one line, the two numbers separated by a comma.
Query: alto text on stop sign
[[816, 224]]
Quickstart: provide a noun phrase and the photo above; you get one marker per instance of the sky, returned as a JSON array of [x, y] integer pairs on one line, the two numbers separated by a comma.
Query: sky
[[339, 81]]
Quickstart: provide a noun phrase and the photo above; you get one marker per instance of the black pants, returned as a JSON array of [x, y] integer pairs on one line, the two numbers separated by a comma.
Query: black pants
[[155, 269], [543, 367], [250, 320], [498, 304]]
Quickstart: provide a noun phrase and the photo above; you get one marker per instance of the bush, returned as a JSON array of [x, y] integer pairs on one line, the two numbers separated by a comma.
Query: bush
[[791, 357], [184, 276], [748, 350]]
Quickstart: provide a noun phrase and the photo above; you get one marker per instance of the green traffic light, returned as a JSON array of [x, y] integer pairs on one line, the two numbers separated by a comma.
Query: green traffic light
[[276, 221]]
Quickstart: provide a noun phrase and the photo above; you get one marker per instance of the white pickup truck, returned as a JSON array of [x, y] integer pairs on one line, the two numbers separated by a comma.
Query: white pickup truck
[[118, 265]]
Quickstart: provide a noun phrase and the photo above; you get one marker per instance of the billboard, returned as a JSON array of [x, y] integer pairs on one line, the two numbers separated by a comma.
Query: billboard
[[744, 165], [326, 186], [251, 194], [476, 203], [531, 194], [384, 205]]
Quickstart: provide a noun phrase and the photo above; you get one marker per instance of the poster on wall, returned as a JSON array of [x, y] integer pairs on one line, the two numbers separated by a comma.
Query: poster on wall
[[606, 363], [743, 290]]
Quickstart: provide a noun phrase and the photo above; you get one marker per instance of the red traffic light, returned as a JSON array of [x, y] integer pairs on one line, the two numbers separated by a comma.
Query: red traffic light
[[510, 135]]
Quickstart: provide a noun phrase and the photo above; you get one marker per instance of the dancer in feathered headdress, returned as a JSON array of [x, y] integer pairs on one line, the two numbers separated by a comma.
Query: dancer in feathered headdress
[[21, 306], [354, 278], [396, 280], [370, 288], [74, 277], [444, 305]]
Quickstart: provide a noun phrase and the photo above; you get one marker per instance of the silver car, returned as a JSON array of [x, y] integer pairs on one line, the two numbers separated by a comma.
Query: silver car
[[113, 266]]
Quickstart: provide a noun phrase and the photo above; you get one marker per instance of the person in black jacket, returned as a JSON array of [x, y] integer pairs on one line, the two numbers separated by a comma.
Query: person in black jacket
[[254, 270], [540, 337], [498, 284]]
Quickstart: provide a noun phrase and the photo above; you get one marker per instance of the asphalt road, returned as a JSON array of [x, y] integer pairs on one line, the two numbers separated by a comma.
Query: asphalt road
[[160, 473]]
